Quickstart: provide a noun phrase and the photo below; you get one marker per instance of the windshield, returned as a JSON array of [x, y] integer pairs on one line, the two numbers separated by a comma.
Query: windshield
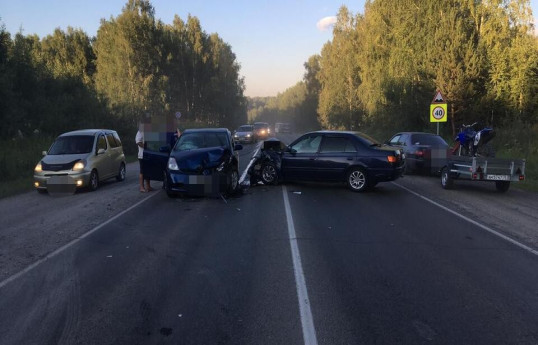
[[366, 139], [245, 129], [200, 140], [426, 139], [71, 145]]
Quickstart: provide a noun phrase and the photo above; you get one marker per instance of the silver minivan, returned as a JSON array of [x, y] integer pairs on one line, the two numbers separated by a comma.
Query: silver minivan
[[80, 159]]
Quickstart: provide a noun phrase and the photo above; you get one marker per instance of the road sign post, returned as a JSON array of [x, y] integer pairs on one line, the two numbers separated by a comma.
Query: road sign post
[[438, 109]]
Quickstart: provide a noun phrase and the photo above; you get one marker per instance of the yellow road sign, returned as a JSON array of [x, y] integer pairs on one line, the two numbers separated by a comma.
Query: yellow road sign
[[438, 112]]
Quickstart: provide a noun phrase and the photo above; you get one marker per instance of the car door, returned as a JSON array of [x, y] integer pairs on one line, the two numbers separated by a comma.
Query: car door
[[336, 154], [102, 159], [299, 160], [156, 155]]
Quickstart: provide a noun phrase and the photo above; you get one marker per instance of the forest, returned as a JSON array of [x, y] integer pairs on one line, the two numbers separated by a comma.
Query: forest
[[136, 65], [381, 69], [377, 74]]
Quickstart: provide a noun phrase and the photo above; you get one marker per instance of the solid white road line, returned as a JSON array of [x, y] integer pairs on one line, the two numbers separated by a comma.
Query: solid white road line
[[249, 164], [73, 242], [307, 322], [482, 226]]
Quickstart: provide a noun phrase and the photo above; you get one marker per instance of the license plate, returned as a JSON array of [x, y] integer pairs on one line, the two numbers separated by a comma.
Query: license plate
[[498, 177]]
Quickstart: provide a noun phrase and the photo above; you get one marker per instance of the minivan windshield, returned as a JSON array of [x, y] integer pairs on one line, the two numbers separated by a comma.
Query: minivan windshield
[[72, 144], [200, 140]]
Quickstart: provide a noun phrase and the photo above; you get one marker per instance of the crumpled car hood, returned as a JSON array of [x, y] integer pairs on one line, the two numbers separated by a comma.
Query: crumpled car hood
[[200, 159]]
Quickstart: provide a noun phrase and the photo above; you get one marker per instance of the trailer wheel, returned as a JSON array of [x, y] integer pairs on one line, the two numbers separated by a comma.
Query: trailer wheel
[[502, 186], [447, 182]]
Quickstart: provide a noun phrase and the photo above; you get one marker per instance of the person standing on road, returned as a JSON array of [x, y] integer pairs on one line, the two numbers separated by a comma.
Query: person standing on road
[[139, 139]]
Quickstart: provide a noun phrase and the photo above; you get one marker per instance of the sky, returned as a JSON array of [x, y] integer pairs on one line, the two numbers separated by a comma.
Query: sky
[[272, 39]]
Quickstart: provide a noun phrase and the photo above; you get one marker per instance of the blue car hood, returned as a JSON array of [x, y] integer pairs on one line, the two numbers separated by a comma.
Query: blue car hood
[[200, 159]]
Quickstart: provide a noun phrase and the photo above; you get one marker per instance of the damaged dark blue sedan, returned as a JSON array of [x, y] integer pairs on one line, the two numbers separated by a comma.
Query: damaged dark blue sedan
[[202, 162]]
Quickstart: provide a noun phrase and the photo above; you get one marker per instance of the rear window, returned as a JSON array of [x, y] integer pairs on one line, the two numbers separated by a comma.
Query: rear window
[[72, 145], [426, 139]]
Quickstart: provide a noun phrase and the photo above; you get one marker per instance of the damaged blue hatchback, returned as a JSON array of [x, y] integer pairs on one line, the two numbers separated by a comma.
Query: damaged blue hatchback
[[202, 162]]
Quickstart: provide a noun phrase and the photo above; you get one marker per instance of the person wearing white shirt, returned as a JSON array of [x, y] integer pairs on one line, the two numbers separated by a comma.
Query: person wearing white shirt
[[139, 139]]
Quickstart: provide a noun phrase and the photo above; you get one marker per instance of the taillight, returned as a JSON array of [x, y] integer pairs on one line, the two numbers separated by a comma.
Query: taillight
[[392, 159], [419, 153]]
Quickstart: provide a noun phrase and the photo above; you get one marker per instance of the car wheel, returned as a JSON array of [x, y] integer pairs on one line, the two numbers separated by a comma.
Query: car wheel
[[447, 182], [121, 173], [269, 174], [233, 181], [357, 180], [94, 180], [166, 186], [41, 191], [502, 186]]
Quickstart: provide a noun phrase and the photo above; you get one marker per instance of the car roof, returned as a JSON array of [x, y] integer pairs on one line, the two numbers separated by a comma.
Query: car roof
[[206, 130], [86, 132], [417, 133]]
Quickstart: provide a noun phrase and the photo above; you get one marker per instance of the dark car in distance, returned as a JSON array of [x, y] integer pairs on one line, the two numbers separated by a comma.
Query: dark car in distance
[[202, 162], [424, 152], [335, 156], [261, 130]]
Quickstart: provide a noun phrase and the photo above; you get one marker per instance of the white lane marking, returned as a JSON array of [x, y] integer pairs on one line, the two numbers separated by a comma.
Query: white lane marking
[[482, 226], [309, 332], [249, 164], [73, 242]]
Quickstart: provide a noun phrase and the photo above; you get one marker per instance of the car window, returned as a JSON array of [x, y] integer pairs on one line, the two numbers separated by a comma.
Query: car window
[[117, 138], [403, 139], [308, 144], [427, 139], [245, 129], [111, 140], [101, 142], [337, 144], [395, 139], [74, 144]]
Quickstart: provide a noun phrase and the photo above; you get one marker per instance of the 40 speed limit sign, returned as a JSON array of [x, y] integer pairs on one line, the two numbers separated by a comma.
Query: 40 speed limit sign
[[438, 112]]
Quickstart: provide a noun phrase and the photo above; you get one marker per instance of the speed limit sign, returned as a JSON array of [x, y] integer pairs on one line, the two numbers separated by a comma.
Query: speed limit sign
[[438, 112]]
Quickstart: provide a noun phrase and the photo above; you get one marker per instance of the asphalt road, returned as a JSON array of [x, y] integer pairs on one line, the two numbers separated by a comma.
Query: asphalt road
[[383, 267]]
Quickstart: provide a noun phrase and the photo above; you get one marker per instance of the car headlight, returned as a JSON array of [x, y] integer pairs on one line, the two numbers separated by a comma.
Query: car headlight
[[172, 164], [79, 166], [38, 167], [248, 135]]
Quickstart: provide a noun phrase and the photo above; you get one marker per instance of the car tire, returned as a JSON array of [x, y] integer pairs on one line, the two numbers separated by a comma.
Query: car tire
[[94, 181], [502, 186], [41, 191], [166, 187], [269, 174], [447, 182], [121, 173], [233, 182], [357, 180]]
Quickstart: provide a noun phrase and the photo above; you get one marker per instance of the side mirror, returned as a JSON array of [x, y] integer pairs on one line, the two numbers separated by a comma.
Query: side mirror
[[44, 153], [164, 149], [100, 152], [238, 147]]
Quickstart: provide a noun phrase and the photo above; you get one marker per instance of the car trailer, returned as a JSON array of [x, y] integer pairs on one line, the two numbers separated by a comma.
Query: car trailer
[[499, 170]]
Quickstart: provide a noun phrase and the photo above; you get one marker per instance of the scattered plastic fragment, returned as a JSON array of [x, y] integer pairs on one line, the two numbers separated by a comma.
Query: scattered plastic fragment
[[109, 256], [298, 193]]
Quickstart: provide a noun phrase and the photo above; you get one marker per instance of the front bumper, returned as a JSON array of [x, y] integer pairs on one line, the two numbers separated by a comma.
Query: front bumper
[[61, 181], [197, 184]]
